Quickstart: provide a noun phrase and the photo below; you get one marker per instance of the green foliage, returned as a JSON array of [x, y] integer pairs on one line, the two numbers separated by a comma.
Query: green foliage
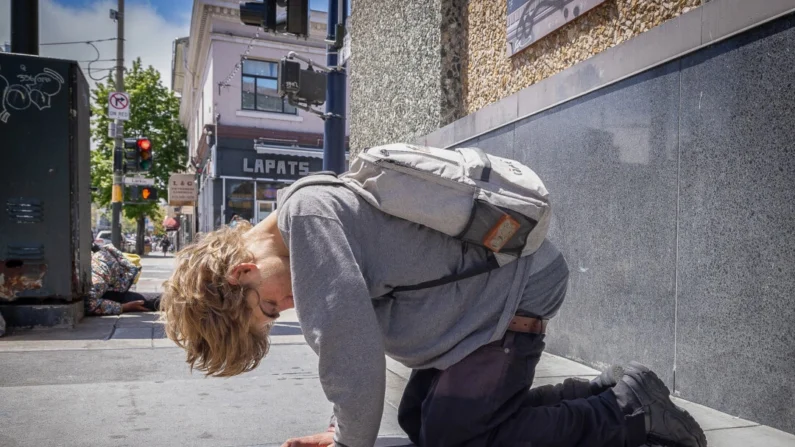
[[128, 225], [154, 113]]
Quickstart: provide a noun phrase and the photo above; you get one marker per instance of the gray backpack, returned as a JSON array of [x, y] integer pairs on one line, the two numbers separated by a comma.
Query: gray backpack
[[482, 199]]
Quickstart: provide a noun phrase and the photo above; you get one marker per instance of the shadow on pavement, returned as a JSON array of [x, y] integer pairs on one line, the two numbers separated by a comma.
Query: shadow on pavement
[[138, 325], [287, 328], [401, 441]]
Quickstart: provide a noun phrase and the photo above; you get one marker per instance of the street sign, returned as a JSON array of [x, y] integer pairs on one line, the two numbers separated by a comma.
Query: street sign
[[345, 52], [181, 189], [142, 181], [118, 105], [115, 131]]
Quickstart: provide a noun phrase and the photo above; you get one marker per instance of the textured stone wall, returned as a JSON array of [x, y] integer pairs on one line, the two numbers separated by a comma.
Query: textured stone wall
[[418, 65], [491, 75], [405, 69], [453, 60]]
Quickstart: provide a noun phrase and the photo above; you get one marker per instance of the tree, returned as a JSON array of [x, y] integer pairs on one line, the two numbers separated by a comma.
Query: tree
[[154, 113]]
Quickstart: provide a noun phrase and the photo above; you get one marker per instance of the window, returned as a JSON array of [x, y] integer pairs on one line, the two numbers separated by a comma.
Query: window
[[267, 191], [259, 86], [239, 199]]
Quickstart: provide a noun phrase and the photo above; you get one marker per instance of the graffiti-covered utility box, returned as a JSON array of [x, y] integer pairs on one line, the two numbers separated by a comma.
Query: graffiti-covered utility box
[[45, 219]]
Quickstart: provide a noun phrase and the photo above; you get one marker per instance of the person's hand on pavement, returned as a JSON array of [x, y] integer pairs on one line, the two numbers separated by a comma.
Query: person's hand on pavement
[[319, 440], [134, 306]]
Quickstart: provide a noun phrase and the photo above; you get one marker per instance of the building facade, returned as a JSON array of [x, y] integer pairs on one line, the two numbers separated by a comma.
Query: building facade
[[663, 130], [245, 142]]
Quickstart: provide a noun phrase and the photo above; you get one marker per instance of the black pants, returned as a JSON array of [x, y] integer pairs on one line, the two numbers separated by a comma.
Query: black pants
[[484, 400], [151, 300]]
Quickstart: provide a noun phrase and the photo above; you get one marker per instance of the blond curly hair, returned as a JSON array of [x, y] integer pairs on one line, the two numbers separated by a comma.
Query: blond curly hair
[[205, 314]]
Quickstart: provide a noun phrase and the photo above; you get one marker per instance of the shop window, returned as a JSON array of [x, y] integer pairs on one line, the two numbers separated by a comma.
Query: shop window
[[239, 199], [259, 79], [266, 199], [267, 191]]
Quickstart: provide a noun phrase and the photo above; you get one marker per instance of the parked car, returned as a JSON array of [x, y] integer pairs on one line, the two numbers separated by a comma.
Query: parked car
[[103, 238]]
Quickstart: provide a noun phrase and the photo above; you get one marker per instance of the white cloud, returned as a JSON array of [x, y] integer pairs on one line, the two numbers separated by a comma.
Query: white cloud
[[148, 35]]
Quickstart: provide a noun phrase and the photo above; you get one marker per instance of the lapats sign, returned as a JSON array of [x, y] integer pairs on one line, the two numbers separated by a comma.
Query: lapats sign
[[244, 163], [276, 167]]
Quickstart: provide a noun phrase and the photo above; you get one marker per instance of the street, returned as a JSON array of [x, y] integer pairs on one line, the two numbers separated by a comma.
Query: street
[[116, 381]]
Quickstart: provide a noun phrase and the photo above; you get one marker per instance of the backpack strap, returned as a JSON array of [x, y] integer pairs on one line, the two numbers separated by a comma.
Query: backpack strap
[[330, 178], [485, 171], [314, 178], [490, 265]]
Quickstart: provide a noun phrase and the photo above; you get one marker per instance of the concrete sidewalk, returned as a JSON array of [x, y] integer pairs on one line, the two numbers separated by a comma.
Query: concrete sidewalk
[[116, 381]]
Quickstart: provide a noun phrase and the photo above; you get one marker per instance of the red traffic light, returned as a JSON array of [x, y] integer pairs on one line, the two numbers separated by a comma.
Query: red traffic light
[[144, 144]]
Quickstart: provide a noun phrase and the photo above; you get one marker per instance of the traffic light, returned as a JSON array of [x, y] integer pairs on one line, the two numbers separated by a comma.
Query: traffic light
[[293, 19], [299, 84], [145, 160], [138, 154], [259, 14], [140, 194], [147, 194], [130, 155], [298, 17]]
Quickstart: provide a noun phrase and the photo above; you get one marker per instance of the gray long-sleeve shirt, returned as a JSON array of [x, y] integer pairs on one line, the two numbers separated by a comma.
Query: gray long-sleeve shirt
[[346, 256]]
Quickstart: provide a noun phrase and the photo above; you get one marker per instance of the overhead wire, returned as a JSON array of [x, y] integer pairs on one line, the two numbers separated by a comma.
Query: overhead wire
[[239, 64], [80, 41], [97, 60], [91, 42]]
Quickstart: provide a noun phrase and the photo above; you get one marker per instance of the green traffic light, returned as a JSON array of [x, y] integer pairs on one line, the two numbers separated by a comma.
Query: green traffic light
[[145, 165]]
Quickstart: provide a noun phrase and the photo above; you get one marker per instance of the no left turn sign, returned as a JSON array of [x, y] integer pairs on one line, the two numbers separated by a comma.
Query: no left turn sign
[[118, 105]]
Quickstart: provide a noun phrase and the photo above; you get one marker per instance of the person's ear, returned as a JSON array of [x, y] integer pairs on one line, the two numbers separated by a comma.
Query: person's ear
[[243, 273]]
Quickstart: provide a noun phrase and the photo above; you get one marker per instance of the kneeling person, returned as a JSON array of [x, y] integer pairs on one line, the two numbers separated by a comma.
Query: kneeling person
[[473, 344]]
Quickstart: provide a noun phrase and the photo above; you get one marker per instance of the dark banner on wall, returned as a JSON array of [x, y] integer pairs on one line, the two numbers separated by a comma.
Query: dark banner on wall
[[248, 163], [530, 20]]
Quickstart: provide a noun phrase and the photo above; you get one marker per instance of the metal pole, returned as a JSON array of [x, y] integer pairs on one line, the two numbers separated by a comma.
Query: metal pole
[[334, 130], [118, 151], [25, 26]]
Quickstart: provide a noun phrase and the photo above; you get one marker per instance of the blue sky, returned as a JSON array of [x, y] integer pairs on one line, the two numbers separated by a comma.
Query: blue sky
[[172, 10], [150, 28]]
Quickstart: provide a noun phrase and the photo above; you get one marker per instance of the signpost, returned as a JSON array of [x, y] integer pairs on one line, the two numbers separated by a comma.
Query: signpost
[[345, 52], [114, 130], [141, 181], [118, 105], [181, 189]]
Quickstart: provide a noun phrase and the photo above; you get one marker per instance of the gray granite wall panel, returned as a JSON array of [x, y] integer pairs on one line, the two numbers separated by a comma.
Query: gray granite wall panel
[[736, 301], [500, 142], [674, 199], [609, 160]]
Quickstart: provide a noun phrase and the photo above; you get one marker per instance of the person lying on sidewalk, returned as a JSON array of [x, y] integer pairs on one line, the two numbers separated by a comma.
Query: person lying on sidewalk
[[112, 275], [473, 344]]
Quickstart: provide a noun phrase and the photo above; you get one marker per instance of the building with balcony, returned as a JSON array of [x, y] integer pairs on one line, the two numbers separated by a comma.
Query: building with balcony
[[244, 141]]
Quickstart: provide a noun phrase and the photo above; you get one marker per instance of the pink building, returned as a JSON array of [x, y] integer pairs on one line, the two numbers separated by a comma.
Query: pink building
[[244, 142]]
